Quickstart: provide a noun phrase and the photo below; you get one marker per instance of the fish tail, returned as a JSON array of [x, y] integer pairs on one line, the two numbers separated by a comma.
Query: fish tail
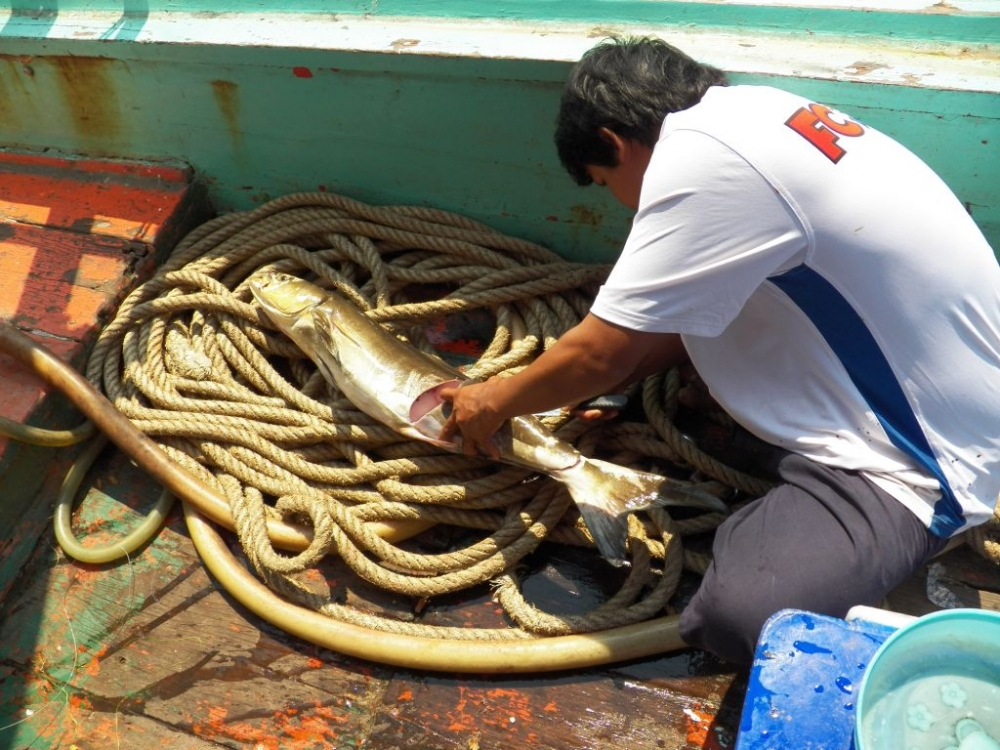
[[606, 493]]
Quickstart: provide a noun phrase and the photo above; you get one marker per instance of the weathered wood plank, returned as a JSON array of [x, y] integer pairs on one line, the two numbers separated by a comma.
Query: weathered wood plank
[[124, 731], [152, 650], [958, 578], [160, 641], [580, 710], [75, 236], [26, 505]]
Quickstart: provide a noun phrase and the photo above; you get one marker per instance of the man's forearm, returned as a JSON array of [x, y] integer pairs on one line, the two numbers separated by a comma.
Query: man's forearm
[[590, 359], [593, 358], [559, 377]]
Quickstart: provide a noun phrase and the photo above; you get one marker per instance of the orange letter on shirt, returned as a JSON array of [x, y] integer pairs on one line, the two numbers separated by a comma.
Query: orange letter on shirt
[[816, 125]]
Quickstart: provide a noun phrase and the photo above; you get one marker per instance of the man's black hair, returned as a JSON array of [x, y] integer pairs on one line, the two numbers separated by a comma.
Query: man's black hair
[[628, 85]]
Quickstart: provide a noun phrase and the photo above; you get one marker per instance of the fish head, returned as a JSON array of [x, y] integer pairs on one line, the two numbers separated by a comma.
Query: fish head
[[285, 298]]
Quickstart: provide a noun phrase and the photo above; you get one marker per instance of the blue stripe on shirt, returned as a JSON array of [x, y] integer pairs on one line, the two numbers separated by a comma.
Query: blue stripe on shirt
[[854, 345]]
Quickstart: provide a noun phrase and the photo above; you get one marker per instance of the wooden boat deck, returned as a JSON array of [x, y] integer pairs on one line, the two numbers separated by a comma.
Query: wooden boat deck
[[154, 653]]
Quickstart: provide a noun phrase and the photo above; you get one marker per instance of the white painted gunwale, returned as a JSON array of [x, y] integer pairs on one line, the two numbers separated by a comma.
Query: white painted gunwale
[[938, 65]]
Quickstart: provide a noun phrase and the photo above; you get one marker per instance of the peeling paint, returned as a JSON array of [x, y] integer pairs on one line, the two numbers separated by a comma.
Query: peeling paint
[[863, 67], [401, 44]]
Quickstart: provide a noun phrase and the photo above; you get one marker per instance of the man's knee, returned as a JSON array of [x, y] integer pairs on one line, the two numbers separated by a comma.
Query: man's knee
[[725, 623]]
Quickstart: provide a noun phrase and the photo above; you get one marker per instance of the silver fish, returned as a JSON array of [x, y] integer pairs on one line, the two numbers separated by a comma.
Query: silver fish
[[399, 385]]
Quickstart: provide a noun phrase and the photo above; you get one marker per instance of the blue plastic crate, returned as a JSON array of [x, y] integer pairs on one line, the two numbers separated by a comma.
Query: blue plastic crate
[[803, 686]]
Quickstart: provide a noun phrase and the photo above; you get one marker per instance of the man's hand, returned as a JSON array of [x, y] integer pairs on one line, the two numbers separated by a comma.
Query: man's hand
[[601, 408], [474, 417]]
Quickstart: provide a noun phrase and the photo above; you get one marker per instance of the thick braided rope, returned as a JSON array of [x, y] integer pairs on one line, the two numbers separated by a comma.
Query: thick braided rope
[[985, 539], [194, 364], [659, 397]]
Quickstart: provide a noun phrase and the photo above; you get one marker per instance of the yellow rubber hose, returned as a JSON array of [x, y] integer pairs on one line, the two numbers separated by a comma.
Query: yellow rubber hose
[[415, 652], [146, 453], [47, 438], [122, 547]]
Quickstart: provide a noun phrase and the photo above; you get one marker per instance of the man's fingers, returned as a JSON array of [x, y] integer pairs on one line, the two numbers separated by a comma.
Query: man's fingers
[[596, 414], [453, 432], [489, 448], [449, 429]]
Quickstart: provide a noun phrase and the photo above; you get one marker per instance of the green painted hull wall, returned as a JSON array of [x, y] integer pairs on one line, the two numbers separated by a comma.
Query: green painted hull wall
[[472, 135]]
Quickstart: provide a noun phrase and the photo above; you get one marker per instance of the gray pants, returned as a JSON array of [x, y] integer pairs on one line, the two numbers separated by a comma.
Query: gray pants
[[824, 540]]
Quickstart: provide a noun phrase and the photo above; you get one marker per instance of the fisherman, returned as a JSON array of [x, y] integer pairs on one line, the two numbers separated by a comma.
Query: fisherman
[[831, 291]]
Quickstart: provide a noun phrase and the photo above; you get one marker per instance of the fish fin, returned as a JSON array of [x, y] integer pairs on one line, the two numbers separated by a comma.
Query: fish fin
[[606, 493], [609, 531], [324, 328], [682, 494]]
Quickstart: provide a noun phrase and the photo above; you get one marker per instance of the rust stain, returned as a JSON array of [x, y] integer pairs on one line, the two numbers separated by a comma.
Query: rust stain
[[88, 89], [16, 104], [599, 32], [227, 97], [586, 215]]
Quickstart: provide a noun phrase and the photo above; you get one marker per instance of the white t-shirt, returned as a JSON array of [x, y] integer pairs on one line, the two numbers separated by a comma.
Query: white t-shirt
[[830, 289]]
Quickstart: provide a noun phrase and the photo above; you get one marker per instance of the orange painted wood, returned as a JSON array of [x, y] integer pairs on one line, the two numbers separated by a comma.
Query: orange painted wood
[[165, 172], [110, 198], [62, 282], [75, 236]]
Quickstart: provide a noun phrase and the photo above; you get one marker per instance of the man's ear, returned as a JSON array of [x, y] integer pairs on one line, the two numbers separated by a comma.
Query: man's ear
[[617, 142]]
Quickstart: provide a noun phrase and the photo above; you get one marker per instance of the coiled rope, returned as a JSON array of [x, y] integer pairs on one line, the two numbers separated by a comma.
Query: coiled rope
[[193, 364], [272, 451]]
